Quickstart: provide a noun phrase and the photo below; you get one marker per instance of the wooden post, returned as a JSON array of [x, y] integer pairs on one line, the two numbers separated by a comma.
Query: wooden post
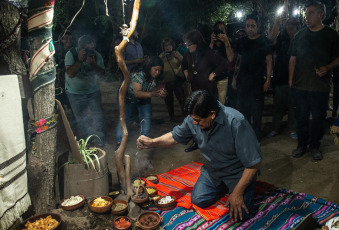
[[119, 51]]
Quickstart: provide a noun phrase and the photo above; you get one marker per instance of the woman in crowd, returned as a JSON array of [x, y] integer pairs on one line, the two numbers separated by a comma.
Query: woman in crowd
[[282, 92], [144, 85], [173, 75], [201, 65]]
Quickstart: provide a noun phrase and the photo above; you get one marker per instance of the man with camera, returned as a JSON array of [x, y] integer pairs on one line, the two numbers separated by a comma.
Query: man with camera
[[221, 45], [84, 66]]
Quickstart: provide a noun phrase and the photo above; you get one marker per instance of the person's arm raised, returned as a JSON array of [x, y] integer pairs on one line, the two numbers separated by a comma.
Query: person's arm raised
[[165, 140]]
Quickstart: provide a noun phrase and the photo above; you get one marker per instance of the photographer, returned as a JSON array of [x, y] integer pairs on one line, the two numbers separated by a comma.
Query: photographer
[[221, 45], [173, 75], [84, 66]]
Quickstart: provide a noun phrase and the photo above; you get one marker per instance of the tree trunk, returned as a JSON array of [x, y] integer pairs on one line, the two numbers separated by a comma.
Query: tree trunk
[[41, 167]]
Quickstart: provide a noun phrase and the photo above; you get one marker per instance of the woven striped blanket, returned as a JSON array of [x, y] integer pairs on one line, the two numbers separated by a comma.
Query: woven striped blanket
[[275, 208], [14, 198]]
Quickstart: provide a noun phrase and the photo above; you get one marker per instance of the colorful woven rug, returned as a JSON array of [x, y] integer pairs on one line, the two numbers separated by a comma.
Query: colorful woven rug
[[275, 208]]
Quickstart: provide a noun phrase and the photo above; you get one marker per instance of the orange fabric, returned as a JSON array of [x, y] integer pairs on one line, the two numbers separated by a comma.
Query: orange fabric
[[179, 183]]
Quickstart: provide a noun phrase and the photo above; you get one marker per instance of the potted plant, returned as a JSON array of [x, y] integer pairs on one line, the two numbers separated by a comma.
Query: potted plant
[[89, 177]]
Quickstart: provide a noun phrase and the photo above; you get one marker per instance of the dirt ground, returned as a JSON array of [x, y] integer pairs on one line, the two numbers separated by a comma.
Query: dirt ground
[[304, 175]]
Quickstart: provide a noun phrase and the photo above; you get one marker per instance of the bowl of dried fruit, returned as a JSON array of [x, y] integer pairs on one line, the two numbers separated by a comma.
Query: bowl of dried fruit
[[152, 191], [166, 203], [46, 221], [149, 220], [140, 195], [122, 223], [72, 202], [152, 178], [119, 207], [101, 204]]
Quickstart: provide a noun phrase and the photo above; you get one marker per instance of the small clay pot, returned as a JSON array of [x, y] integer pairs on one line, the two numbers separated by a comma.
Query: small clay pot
[[149, 220], [152, 178], [73, 207], [122, 228], [120, 212], [151, 193], [101, 209], [135, 198], [168, 206]]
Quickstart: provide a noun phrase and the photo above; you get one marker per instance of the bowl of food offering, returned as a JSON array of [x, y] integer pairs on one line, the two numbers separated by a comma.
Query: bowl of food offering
[[138, 182], [140, 195], [119, 207], [166, 203], [152, 178], [46, 221], [149, 220], [152, 191], [122, 223], [101, 204], [72, 202]]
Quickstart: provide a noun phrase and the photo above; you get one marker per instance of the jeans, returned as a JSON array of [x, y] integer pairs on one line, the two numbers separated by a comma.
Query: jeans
[[252, 107], [145, 111], [80, 104], [205, 193], [314, 103], [282, 101]]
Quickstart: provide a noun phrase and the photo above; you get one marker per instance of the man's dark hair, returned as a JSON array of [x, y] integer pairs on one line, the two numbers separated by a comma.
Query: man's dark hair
[[84, 40], [201, 103], [319, 6], [254, 16]]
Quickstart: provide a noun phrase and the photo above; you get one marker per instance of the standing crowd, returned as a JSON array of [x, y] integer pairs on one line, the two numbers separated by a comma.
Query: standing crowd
[[300, 64]]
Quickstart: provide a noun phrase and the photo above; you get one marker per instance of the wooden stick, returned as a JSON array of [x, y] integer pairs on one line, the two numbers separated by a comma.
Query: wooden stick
[[128, 176], [119, 50]]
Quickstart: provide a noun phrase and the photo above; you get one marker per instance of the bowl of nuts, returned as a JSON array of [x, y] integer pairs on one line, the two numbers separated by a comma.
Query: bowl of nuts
[[149, 220]]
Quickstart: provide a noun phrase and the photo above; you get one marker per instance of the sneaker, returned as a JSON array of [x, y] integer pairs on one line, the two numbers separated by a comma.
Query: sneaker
[[299, 152], [294, 135], [272, 134], [316, 154]]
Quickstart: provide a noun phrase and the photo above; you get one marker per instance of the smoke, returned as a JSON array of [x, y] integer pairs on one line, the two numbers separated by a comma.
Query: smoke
[[142, 163]]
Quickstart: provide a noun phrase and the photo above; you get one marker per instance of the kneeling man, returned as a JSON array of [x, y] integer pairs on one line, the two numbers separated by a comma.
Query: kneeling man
[[229, 146]]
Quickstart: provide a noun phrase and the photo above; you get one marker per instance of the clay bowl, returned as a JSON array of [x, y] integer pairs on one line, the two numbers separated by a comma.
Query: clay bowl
[[167, 206], [122, 228], [152, 178], [138, 190], [151, 193], [153, 199], [38, 217], [101, 209], [72, 207], [119, 212], [144, 222]]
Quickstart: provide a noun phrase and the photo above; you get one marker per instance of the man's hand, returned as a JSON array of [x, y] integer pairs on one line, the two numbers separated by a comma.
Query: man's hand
[[144, 142], [267, 85], [322, 71], [223, 38], [211, 77], [236, 203], [90, 60], [82, 55]]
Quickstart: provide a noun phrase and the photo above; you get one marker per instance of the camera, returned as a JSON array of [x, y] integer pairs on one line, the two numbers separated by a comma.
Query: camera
[[217, 32], [90, 53], [168, 53]]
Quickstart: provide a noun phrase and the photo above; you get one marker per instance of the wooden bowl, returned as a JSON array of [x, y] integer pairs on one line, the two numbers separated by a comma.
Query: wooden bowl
[[167, 206], [101, 209], [38, 217], [144, 218], [151, 193], [152, 178], [122, 211], [72, 207], [122, 228]]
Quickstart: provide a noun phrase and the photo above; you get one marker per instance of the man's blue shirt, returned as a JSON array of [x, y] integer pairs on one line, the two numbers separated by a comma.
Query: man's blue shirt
[[228, 147]]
